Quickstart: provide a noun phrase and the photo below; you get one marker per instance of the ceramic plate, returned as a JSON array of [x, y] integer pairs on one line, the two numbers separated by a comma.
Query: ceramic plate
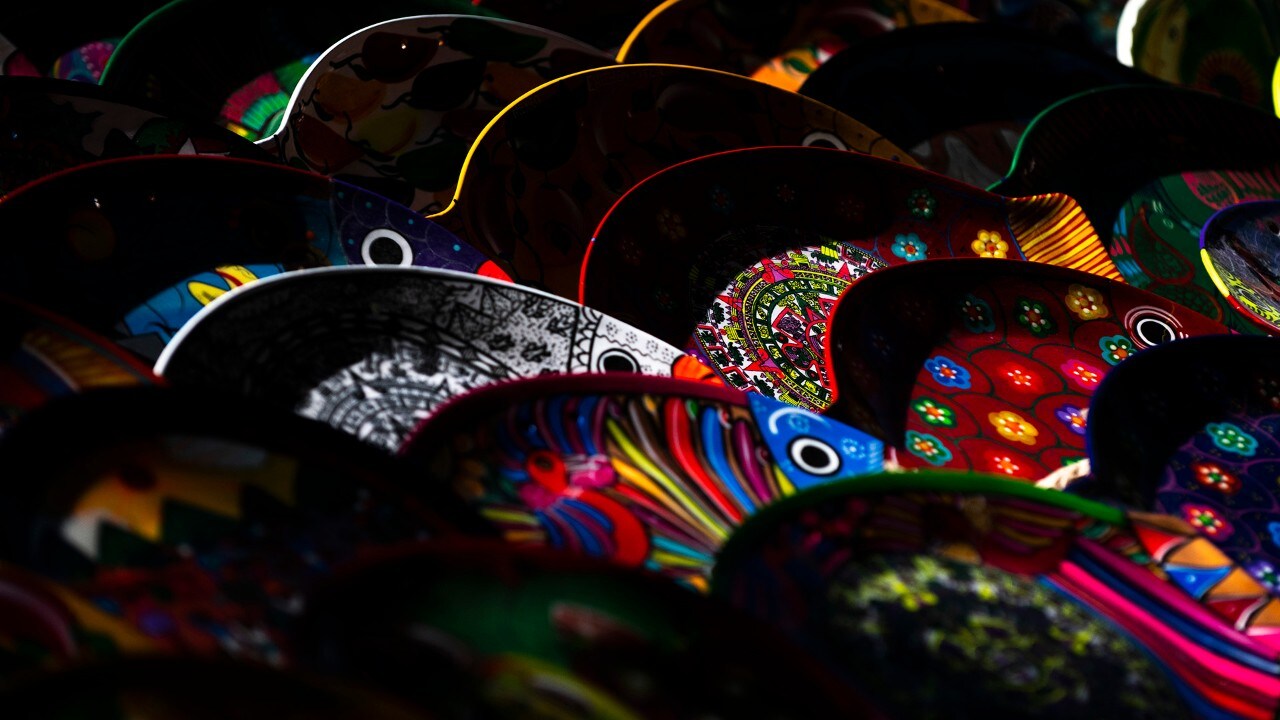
[[199, 519], [239, 69], [385, 349], [550, 166], [973, 89], [604, 25], [957, 593], [779, 44], [634, 639], [1168, 166], [48, 125], [986, 364], [134, 248], [396, 106], [47, 356], [746, 272], [1239, 249], [646, 472]]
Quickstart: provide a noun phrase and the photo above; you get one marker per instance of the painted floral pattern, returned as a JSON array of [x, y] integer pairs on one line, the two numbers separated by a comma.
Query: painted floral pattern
[[1083, 374], [977, 315], [934, 413], [947, 373], [1116, 348], [1231, 438], [1018, 376], [909, 247], [989, 244], [1086, 303], [1034, 316], [671, 225], [922, 203], [1213, 475], [928, 448], [1073, 417], [1013, 427], [1206, 520]]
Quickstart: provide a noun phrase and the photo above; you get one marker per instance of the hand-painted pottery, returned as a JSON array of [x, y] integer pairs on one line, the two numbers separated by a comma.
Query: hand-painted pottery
[[643, 643], [46, 356], [548, 168], [986, 364], [779, 44], [47, 126], [1153, 164], [751, 267], [1240, 248], [13, 62], [384, 350], [134, 248], [967, 597], [185, 688], [1225, 47], [604, 25], [1206, 451], [645, 472], [396, 106], [974, 88], [199, 519], [239, 70]]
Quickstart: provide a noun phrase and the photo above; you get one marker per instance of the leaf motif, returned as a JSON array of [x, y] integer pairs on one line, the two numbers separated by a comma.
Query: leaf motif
[[434, 167], [447, 85], [490, 41]]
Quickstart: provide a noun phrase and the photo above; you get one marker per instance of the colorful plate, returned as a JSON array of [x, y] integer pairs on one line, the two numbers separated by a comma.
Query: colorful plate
[[549, 167], [238, 69], [199, 519], [396, 106], [957, 593], [51, 35], [746, 270], [632, 638], [1240, 247], [385, 349], [779, 44], [134, 248], [51, 125], [645, 472], [1153, 164], [974, 88], [46, 356], [986, 364]]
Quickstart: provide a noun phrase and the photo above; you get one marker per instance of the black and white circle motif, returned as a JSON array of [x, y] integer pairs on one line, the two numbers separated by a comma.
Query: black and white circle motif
[[375, 351]]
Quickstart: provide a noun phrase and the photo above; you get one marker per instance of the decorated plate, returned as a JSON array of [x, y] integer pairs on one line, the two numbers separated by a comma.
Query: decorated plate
[[974, 89], [779, 44], [48, 125], [71, 43], [134, 248], [549, 167], [746, 271], [396, 106], [1169, 167], [237, 69], [385, 349], [989, 365], [46, 356], [199, 519], [604, 25], [630, 638], [941, 592], [645, 472], [1241, 251]]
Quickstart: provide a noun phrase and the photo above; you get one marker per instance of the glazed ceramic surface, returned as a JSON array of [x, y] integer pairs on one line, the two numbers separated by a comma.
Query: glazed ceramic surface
[[196, 520], [1169, 166], [642, 471], [134, 248], [396, 106], [385, 349], [987, 365], [1238, 247], [747, 272], [550, 166], [973, 89]]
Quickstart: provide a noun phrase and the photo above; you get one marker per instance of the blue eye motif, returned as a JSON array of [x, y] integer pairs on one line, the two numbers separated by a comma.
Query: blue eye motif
[[811, 449]]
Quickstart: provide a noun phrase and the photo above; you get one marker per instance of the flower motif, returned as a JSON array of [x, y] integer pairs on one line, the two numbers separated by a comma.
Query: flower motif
[[977, 315], [922, 203], [990, 245], [928, 448], [1214, 476], [1231, 438], [1082, 374], [671, 225], [934, 413], [909, 247], [1086, 302], [1207, 521], [1018, 376], [1013, 427], [1035, 317], [1005, 464], [721, 200], [1265, 573], [947, 373], [1269, 390], [1116, 348], [786, 193], [1073, 417]]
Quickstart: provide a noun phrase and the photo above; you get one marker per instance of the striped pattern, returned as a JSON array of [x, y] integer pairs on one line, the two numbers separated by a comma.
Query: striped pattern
[[1053, 229], [78, 363]]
